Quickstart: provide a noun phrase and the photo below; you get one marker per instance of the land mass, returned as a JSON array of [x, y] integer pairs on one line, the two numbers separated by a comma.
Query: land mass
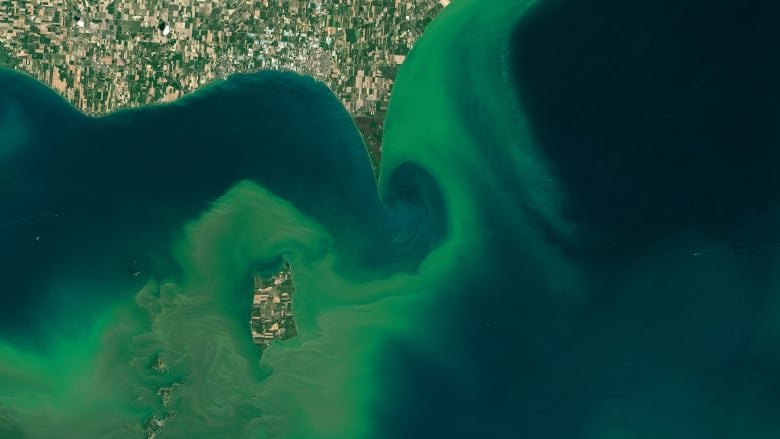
[[109, 54], [272, 314]]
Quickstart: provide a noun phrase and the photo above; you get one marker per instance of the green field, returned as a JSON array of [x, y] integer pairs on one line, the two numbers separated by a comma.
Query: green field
[[6, 59]]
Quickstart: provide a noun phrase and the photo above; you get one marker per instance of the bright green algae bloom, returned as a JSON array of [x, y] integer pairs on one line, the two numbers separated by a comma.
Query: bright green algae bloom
[[440, 304], [453, 115]]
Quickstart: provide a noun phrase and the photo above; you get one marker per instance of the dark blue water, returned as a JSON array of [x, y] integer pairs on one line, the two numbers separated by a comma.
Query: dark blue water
[[661, 121], [93, 201]]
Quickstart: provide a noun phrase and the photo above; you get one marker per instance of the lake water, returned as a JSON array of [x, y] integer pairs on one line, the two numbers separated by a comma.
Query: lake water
[[574, 235]]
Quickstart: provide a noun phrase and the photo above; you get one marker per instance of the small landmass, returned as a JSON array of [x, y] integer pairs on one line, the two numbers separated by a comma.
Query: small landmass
[[272, 315], [155, 424], [160, 365]]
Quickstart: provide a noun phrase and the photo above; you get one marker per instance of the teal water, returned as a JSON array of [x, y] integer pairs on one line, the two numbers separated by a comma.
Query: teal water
[[573, 236]]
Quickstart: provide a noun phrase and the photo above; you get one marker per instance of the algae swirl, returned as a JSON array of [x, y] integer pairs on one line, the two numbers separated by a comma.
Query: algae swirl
[[517, 272]]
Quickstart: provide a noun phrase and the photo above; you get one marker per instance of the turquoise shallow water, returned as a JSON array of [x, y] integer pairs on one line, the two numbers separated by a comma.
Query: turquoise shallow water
[[574, 236]]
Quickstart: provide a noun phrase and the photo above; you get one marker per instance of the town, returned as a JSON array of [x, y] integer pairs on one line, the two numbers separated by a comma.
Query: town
[[102, 55]]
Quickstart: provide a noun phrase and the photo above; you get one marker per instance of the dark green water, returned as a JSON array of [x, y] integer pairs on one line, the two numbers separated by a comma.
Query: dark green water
[[574, 236]]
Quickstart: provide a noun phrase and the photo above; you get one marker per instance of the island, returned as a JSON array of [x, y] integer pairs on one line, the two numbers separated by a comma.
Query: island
[[272, 314]]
